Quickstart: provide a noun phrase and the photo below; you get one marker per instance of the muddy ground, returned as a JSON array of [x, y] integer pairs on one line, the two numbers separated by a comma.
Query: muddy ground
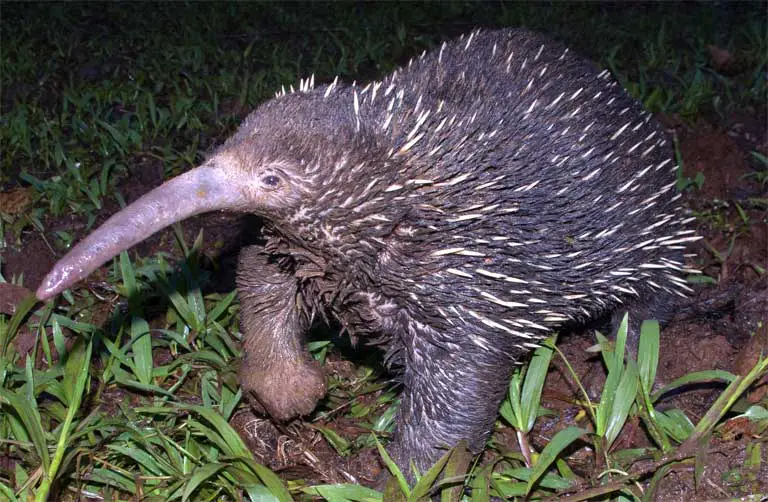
[[722, 327]]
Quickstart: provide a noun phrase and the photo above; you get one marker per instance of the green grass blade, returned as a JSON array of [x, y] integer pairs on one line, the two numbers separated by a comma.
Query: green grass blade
[[79, 359], [549, 454], [200, 475], [424, 485], [22, 309], [394, 469], [75, 365], [141, 345], [30, 417], [621, 344], [58, 338], [78, 327], [178, 233], [480, 484], [455, 473], [605, 407], [648, 354], [549, 480], [270, 480], [511, 408], [727, 399], [6, 492], [221, 306], [154, 465], [626, 392], [695, 377], [124, 378], [675, 423], [344, 493], [180, 304], [337, 442], [113, 478], [120, 140], [259, 493], [232, 442], [128, 275], [195, 299], [533, 385]]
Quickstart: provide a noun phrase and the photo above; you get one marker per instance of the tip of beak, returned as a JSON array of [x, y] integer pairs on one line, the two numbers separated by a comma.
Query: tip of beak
[[49, 287], [43, 294]]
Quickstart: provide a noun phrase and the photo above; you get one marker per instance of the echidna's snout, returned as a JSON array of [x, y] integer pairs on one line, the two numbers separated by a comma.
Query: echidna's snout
[[203, 189]]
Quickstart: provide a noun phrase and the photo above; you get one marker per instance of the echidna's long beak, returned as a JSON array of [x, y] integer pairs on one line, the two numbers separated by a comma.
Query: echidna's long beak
[[197, 191]]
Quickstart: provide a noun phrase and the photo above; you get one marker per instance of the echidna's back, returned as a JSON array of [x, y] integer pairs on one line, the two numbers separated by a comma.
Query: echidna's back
[[551, 190]]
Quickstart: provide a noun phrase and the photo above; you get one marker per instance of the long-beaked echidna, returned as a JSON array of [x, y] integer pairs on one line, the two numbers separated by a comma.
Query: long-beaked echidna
[[492, 191]]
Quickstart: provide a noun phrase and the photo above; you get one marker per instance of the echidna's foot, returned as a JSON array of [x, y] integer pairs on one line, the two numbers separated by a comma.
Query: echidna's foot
[[284, 390], [277, 374]]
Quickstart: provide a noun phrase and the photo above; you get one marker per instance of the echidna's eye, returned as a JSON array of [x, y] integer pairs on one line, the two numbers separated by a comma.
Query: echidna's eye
[[271, 181]]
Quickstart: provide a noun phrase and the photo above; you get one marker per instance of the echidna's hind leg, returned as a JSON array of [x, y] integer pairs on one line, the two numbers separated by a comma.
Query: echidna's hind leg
[[450, 393], [276, 369]]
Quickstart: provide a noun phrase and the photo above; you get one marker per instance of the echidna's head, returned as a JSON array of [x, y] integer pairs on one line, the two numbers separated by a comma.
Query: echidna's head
[[285, 154], [280, 165]]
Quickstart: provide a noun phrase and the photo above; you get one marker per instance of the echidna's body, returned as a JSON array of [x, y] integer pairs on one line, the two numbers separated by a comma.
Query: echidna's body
[[461, 209]]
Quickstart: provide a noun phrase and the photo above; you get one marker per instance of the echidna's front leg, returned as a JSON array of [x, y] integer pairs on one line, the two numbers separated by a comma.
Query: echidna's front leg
[[276, 370], [450, 394]]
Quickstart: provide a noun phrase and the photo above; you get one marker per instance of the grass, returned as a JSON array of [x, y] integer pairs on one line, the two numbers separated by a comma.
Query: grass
[[127, 392]]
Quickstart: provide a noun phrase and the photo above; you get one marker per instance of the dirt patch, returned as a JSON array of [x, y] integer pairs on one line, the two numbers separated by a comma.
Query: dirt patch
[[31, 261], [718, 158], [10, 296], [297, 451]]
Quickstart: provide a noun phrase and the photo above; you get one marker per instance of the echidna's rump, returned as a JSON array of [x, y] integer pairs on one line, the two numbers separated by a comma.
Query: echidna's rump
[[494, 190]]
